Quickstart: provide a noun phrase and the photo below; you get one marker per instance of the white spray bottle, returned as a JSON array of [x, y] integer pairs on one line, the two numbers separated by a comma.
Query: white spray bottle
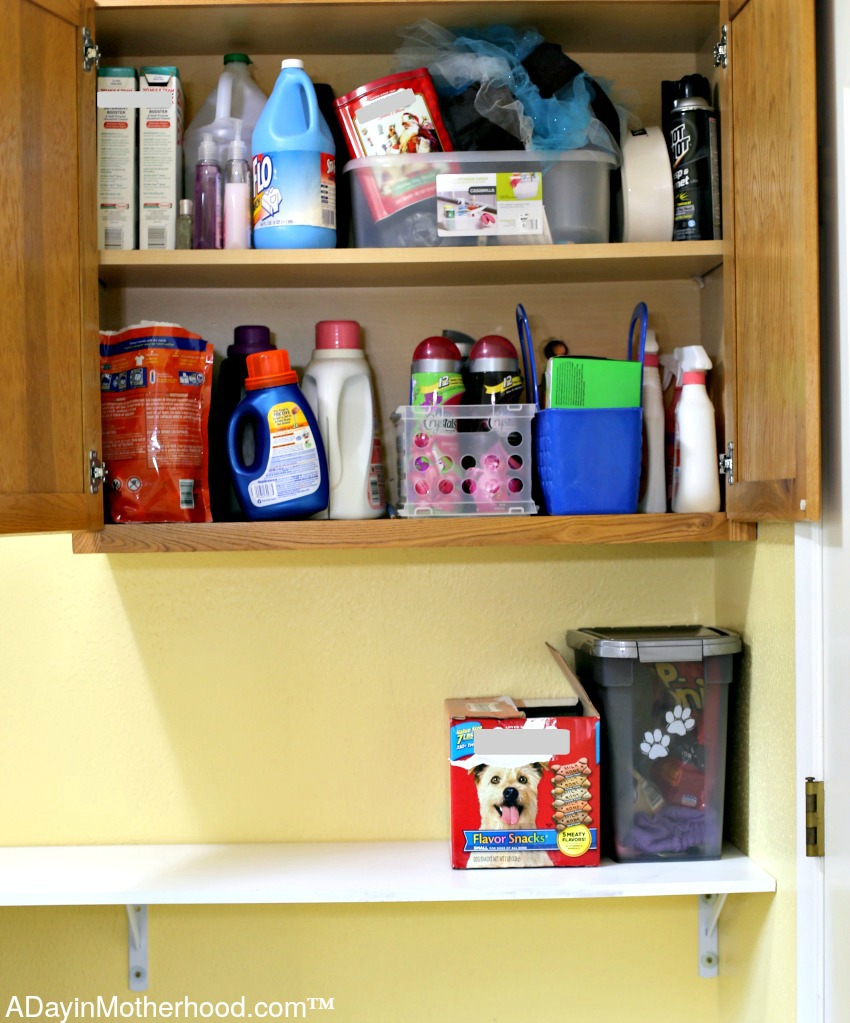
[[696, 481], [655, 495]]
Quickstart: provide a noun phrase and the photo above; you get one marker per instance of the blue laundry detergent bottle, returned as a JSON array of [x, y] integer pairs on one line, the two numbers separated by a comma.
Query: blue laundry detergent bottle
[[294, 166], [288, 477]]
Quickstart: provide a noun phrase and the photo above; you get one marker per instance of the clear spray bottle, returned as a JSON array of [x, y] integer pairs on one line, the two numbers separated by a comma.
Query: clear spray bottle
[[654, 497], [207, 227], [237, 194]]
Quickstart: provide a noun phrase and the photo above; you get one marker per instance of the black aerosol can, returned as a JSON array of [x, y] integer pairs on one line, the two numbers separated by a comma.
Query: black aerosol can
[[694, 159]]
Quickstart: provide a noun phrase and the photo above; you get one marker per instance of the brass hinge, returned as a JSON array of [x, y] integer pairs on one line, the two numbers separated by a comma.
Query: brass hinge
[[814, 817], [97, 472], [721, 51], [91, 51], [726, 463]]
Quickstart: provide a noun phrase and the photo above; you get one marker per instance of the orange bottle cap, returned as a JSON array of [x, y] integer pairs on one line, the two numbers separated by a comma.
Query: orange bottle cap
[[269, 369]]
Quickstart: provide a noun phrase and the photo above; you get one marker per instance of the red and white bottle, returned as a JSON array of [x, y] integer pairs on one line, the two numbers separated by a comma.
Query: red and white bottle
[[338, 386], [696, 480]]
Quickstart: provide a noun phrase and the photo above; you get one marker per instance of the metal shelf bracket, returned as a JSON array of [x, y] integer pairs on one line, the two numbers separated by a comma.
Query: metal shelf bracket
[[137, 944], [709, 908]]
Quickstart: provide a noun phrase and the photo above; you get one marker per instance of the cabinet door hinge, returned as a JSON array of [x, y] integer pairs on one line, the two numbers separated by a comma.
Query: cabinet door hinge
[[91, 51], [97, 472], [814, 817], [726, 463], [721, 52]]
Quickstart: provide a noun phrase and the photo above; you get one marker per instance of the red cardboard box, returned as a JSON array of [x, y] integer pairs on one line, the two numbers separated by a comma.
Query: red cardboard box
[[525, 783]]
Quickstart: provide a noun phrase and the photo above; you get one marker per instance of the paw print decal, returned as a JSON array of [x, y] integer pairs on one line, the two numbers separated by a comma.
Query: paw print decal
[[679, 721], [655, 744]]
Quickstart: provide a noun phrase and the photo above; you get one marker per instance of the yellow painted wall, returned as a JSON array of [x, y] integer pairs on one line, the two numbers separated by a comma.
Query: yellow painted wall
[[290, 696]]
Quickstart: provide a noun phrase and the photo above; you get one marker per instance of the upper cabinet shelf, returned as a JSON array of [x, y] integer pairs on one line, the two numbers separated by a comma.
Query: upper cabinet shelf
[[339, 268], [128, 27]]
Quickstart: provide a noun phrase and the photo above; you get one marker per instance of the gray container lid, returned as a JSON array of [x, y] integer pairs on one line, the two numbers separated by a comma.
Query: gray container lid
[[651, 644]]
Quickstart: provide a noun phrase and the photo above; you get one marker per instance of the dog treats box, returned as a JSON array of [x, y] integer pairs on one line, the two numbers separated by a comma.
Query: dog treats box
[[525, 780]]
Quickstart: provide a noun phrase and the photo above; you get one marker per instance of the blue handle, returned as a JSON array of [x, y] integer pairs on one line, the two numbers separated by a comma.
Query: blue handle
[[527, 349], [640, 312], [242, 413]]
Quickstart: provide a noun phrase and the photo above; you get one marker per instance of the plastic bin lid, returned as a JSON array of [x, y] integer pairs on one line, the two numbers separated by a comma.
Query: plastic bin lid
[[662, 643]]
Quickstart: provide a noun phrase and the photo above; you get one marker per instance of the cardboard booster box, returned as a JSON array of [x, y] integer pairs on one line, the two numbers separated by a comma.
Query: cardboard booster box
[[160, 156], [524, 782], [117, 155]]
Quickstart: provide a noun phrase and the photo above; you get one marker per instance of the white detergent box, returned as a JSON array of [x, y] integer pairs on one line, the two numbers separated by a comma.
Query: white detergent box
[[117, 157], [160, 156]]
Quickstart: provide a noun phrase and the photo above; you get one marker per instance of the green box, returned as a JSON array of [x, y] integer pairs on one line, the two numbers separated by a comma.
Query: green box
[[592, 383]]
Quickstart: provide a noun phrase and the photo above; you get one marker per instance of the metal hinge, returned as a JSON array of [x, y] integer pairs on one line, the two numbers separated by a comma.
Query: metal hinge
[[97, 472], [91, 51], [726, 463], [721, 52], [814, 817]]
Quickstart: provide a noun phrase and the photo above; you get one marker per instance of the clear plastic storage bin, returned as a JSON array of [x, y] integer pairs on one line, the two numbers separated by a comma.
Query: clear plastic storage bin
[[464, 460], [663, 696], [506, 198]]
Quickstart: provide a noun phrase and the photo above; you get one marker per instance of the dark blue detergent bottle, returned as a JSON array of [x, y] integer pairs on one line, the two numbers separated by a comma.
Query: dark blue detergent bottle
[[288, 477]]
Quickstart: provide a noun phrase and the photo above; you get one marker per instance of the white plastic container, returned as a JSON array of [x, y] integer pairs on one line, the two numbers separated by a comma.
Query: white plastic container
[[338, 386], [117, 157], [696, 481], [160, 156], [655, 496], [235, 97]]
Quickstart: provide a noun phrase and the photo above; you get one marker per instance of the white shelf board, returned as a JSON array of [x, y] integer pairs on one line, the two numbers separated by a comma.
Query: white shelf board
[[334, 872]]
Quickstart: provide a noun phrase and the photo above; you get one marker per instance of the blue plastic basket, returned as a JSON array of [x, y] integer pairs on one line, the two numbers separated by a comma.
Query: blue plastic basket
[[587, 460]]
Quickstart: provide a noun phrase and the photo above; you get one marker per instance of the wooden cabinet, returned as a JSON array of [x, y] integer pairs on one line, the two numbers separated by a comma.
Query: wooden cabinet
[[750, 300]]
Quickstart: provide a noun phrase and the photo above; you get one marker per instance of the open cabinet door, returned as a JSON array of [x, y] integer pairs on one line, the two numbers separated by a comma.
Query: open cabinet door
[[49, 380], [775, 421]]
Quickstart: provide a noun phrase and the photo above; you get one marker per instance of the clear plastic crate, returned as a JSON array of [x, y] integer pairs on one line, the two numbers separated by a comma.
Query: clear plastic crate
[[464, 460]]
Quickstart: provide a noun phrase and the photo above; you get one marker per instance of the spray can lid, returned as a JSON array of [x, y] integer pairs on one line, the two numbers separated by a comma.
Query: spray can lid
[[336, 334], [291, 62], [269, 369], [250, 338]]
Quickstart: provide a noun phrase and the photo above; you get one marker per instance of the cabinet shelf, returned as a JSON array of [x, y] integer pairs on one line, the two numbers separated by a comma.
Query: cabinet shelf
[[370, 268], [492, 531], [334, 873]]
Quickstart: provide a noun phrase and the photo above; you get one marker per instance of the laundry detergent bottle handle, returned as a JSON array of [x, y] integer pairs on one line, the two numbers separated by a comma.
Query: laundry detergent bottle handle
[[294, 167], [288, 477]]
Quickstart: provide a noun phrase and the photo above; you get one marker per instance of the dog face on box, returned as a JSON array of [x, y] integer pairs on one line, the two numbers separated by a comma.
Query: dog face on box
[[522, 787]]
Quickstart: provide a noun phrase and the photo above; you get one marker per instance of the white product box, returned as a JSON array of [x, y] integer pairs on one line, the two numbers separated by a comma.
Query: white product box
[[117, 153], [160, 157]]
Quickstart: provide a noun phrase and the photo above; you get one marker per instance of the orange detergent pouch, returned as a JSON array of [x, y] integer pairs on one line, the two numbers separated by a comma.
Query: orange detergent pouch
[[155, 384]]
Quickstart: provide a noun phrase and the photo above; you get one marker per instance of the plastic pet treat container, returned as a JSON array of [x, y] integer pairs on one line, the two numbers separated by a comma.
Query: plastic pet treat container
[[393, 116], [464, 460], [663, 697]]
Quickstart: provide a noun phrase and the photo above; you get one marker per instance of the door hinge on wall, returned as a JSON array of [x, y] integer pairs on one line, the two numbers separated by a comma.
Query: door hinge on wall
[[726, 463], [97, 472], [91, 51], [721, 52], [814, 817]]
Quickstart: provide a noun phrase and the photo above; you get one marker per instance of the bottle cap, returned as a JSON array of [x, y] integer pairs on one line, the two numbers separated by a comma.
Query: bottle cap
[[437, 348], [237, 149], [493, 353], [248, 339], [208, 149], [269, 369], [186, 207], [332, 334], [292, 62], [237, 58]]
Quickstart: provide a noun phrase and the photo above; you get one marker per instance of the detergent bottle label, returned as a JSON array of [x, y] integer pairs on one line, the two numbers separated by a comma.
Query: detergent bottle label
[[293, 469], [294, 188], [437, 388]]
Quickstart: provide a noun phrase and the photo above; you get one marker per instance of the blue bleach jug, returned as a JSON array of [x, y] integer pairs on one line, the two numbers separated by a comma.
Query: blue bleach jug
[[294, 167], [288, 478]]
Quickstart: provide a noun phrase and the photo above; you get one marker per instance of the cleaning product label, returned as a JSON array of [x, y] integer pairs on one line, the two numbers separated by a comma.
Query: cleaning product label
[[436, 388], [499, 204], [293, 468], [294, 188], [376, 495]]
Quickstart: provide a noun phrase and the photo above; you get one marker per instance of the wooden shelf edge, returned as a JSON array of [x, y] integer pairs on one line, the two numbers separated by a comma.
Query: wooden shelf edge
[[411, 267], [348, 872], [492, 531]]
